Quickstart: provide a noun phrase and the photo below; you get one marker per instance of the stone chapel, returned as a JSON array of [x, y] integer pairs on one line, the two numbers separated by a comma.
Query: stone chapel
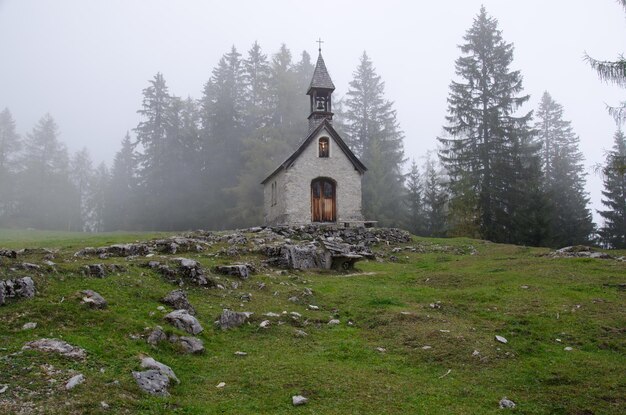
[[321, 181]]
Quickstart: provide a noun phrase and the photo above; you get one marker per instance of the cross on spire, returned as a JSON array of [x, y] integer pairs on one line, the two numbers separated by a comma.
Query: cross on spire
[[320, 41]]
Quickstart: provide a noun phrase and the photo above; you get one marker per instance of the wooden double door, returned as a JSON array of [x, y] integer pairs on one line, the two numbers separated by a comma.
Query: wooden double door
[[323, 200]]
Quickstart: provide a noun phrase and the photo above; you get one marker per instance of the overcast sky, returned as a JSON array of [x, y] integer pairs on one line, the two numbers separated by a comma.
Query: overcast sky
[[86, 61]]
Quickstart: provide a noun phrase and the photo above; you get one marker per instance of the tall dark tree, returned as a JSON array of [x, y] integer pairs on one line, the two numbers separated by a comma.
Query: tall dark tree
[[121, 196], [414, 202], [222, 119], [569, 219], [434, 201], [613, 231], [490, 154], [151, 136], [375, 135], [256, 78], [10, 146], [47, 198], [82, 175]]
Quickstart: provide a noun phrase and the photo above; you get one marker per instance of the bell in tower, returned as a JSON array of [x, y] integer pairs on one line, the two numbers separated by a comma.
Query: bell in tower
[[320, 91]]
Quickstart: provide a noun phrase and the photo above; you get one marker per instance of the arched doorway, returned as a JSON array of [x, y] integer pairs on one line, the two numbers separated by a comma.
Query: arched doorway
[[323, 201]]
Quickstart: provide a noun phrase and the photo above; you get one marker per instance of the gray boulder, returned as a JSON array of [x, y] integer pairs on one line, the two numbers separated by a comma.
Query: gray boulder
[[95, 270], [56, 346], [93, 299], [506, 403], [231, 319], [17, 288], [149, 363], [156, 336], [191, 345], [153, 382], [184, 321], [74, 381], [178, 300], [237, 270]]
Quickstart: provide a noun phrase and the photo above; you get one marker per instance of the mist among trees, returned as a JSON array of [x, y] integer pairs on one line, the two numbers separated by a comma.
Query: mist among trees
[[501, 172]]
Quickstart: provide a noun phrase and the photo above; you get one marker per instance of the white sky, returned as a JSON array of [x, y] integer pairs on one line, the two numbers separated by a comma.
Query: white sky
[[87, 61]]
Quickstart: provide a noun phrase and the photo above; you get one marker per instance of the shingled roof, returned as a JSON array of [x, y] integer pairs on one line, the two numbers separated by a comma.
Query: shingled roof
[[321, 79]]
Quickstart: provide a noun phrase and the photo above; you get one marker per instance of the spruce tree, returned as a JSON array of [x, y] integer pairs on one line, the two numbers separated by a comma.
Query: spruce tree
[[434, 201], [10, 146], [613, 231], [569, 220], [82, 175], [151, 135], [489, 155], [222, 119], [47, 199], [375, 136], [414, 204], [122, 207]]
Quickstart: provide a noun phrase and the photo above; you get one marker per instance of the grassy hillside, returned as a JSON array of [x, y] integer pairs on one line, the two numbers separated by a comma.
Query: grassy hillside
[[477, 290]]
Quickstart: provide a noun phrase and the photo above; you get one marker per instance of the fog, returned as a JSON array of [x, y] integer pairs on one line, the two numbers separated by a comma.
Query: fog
[[86, 62]]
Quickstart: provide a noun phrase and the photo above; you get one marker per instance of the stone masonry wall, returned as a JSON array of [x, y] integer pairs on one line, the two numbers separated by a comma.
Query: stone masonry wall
[[308, 167], [275, 215]]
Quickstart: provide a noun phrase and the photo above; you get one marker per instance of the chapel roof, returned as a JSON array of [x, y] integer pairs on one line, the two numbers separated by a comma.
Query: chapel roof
[[321, 78], [309, 138]]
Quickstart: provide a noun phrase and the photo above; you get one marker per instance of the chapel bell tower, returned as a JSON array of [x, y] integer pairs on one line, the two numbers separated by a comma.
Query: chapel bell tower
[[320, 91]]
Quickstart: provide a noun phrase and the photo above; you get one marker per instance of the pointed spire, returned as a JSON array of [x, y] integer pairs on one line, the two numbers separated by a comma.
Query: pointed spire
[[321, 78]]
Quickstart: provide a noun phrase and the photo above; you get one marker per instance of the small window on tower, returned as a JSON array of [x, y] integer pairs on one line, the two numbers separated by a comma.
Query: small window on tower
[[324, 147]]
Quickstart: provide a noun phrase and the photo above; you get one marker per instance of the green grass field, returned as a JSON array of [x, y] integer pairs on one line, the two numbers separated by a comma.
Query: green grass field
[[504, 290]]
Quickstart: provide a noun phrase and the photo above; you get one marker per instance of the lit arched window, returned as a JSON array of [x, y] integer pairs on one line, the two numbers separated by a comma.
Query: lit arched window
[[324, 147]]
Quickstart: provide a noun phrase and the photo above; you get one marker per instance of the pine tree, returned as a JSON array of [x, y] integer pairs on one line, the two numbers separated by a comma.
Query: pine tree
[[81, 175], [10, 146], [151, 135], [47, 198], [222, 119], [121, 207], [569, 220], [375, 136], [256, 78], [490, 154], [414, 203], [97, 200], [613, 231], [434, 201]]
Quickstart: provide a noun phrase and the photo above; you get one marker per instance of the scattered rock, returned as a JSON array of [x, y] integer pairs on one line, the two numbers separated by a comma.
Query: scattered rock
[[74, 381], [95, 270], [119, 250], [300, 333], [426, 347], [230, 319], [381, 349], [149, 363], [191, 345], [313, 307], [334, 322], [298, 400], [475, 353], [264, 324], [8, 253], [153, 382], [93, 299], [16, 288], [184, 321], [156, 336], [501, 339], [568, 349], [178, 300], [29, 326], [506, 403], [3, 388], [104, 405], [435, 305], [242, 271], [579, 251], [220, 385], [238, 353], [271, 314], [56, 346]]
